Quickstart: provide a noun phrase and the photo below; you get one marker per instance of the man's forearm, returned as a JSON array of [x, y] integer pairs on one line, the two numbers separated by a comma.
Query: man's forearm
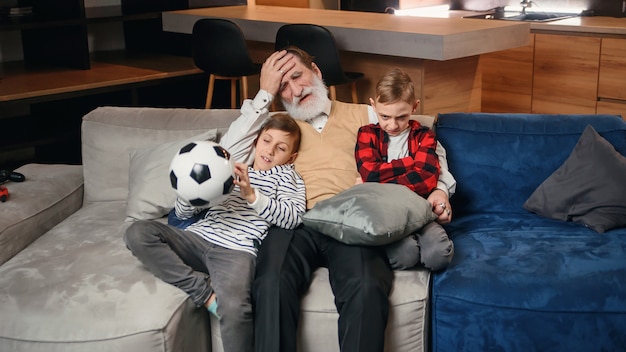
[[241, 133]]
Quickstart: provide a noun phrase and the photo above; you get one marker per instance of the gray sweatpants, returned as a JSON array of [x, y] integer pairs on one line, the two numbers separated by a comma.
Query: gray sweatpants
[[199, 268], [430, 247]]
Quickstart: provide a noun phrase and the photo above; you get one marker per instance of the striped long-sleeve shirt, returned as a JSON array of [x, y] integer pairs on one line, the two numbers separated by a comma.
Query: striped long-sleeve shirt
[[235, 224]]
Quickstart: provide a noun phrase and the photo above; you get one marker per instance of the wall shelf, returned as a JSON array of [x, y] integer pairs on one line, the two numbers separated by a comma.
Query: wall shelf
[[43, 97]]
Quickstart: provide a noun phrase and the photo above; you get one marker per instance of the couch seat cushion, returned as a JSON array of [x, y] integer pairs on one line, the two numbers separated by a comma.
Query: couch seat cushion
[[526, 283], [407, 328], [49, 194], [78, 288]]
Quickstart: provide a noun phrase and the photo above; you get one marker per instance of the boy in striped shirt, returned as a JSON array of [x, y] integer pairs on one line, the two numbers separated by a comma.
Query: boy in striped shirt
[[213, 258]]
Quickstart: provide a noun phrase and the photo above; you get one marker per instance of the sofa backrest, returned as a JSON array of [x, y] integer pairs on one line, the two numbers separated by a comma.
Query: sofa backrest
[[499, 159], [110, 134]]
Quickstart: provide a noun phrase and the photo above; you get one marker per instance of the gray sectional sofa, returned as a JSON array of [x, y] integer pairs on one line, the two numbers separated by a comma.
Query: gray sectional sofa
[[540, 242], [67, 282]]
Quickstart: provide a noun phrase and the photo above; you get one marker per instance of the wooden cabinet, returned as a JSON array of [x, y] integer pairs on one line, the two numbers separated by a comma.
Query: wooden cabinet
[[565, 74], [612, 108], [508, 79], [612, 77], [557, 74]]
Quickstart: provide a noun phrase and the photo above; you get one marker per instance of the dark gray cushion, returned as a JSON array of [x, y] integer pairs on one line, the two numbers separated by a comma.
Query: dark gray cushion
[[589, 188], [370, 214]]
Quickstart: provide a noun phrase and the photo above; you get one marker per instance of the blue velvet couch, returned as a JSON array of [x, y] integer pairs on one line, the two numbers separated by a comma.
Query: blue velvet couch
[[520, 281]]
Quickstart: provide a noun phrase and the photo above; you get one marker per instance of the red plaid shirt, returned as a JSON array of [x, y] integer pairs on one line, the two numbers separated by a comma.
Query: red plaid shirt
[[419, 171]]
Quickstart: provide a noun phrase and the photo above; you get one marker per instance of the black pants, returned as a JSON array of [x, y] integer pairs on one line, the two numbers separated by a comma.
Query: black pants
[[360, 278]]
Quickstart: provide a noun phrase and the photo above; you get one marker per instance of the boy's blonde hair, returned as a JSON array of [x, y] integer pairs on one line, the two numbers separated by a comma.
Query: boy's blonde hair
[[395, 86]]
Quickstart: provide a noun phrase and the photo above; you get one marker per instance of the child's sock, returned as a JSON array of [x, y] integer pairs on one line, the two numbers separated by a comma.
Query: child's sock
[[212, 308]]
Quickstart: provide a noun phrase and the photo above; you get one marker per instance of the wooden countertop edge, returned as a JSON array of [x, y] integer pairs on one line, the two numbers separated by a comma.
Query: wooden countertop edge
[[584, 25], [415, 37]]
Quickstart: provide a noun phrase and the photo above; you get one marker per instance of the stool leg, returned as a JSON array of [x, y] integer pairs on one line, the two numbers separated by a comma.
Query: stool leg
[[333, 93], [355, 98], [233, 93], [244, 88], [209, 93]]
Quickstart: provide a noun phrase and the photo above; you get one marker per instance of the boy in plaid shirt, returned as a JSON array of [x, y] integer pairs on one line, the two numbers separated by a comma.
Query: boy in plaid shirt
[[400, 150]]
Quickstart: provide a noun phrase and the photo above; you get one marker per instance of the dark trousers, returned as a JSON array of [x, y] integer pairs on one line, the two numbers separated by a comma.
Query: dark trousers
[[360, 278]]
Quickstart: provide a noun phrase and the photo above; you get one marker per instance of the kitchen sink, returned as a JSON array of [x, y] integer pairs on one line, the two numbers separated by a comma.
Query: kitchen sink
[[527, 16]]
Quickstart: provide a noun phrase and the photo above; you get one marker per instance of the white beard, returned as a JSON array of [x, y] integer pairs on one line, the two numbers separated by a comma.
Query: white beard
[[318, 100]]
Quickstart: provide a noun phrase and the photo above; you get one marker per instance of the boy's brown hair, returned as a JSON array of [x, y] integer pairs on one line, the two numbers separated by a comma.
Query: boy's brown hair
[[283, 122], [395, 85]]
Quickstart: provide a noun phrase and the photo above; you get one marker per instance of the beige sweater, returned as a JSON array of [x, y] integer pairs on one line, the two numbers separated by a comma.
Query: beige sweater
[[326, 160]]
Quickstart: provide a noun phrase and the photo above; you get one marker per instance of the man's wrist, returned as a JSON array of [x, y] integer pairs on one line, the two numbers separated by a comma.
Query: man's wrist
[[262, 99]]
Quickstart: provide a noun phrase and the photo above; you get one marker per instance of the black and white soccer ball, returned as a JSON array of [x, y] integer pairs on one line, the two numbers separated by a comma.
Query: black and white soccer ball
[[201, 172]]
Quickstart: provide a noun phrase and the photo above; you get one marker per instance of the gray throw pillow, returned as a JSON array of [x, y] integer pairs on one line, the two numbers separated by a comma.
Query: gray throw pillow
[[370, 214], [150, 193], [589, 188]]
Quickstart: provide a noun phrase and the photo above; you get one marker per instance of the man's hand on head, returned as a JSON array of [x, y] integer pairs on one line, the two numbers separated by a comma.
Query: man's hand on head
[[274, 69]]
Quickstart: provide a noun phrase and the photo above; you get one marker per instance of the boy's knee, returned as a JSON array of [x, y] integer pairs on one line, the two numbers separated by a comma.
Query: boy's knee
[[131, 235], [436, 248], [403, 254], [135, 233]]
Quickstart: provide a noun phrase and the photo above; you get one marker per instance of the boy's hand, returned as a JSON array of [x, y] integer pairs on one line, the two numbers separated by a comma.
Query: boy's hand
[[243, 181], [441, 206]]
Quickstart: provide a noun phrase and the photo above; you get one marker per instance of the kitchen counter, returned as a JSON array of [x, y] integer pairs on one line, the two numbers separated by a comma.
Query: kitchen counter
[[440, 54], [373, 33], [592, 25], [598, 25]]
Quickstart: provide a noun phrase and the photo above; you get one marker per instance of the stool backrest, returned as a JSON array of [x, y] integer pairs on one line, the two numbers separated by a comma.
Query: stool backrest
[[318, 42], [219, 47]]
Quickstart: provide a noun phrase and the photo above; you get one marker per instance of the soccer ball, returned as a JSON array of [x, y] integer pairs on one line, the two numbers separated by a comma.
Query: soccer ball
[[202, 171]]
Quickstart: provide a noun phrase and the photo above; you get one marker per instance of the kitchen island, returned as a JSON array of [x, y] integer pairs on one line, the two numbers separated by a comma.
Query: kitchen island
[[441, 54]]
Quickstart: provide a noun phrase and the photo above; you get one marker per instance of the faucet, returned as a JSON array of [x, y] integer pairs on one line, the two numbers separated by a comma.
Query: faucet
[[525, 4]]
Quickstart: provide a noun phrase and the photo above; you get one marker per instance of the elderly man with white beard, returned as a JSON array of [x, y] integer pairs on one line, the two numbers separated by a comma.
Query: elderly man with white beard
[[360, 276]]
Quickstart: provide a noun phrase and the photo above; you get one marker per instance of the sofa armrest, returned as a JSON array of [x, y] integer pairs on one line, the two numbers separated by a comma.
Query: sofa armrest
[[49, 194]]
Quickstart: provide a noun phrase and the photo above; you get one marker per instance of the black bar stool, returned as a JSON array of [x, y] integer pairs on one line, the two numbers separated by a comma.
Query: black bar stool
[[320, 43], [219, 49]]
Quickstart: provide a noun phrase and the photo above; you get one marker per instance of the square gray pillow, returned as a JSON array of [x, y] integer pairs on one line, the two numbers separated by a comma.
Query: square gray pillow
[[150, 193], [370, 214], [589, 188]]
